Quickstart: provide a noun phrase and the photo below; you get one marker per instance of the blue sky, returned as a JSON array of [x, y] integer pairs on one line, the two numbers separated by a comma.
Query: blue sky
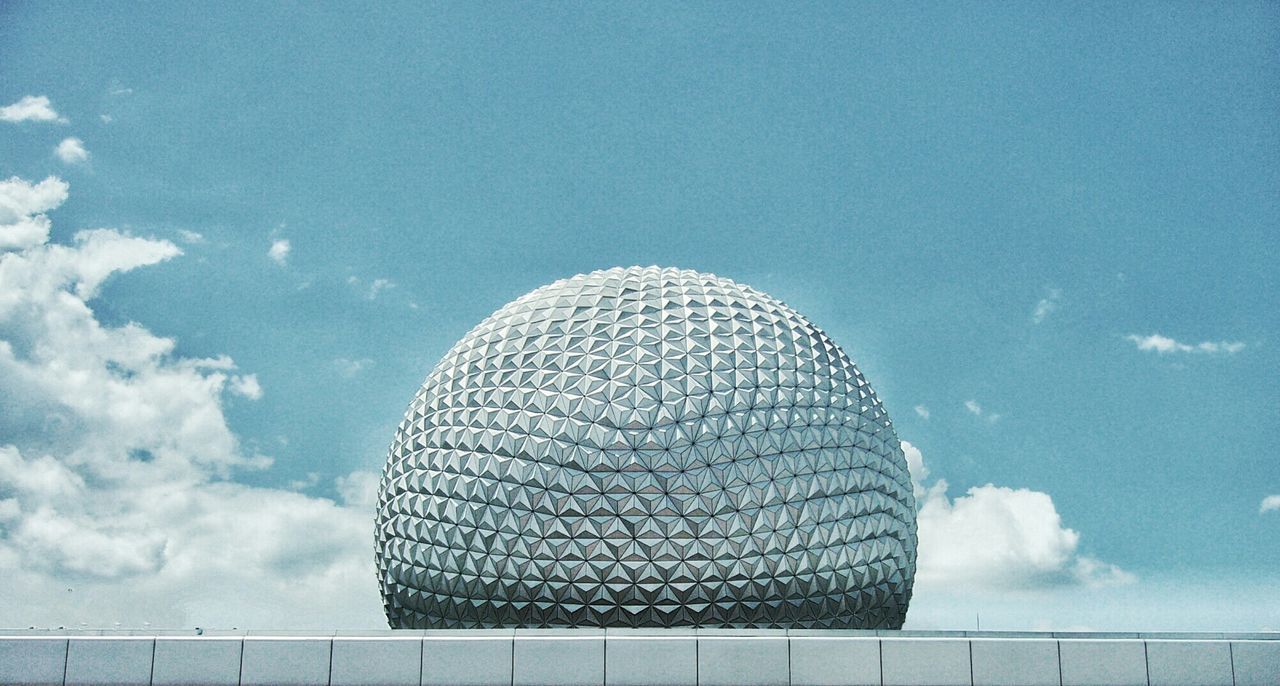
[[992, 212]]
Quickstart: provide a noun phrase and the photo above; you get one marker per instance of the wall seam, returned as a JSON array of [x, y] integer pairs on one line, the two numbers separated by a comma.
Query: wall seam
[[329, 678], [970, 663], [880, 652], [790, 678], [422, 657], [66, 657], [1231, 655], [1146, 662], [1058, 645], [151, 678], [240, 672]]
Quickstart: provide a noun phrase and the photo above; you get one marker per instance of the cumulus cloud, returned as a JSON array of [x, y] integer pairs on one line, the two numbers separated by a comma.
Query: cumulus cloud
[[279, 251], [359, 489], [245, 386], [118, 498], [1269, 503], [191, 237], [1164, 345], [22, 207], [995, 537], [71, 151], [1046, 306], [922, 411], [30, 108]]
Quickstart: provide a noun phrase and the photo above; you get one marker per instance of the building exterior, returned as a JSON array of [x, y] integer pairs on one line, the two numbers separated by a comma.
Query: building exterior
[[655, 657], [646, 447]]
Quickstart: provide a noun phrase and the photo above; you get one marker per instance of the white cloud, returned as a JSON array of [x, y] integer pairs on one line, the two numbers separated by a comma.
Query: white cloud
[[977, 410], [280, 251], [1164, 345], [359, 489], [922, 411], [379, 285], [1046, 306], [190, 237], [22, 207], [915, 466], [106, 118], [375, 287], [71, 151], [117, 498], [350, 368], [1269, 503], [245, 386], [995, 537], [30, 108], [305, 483]]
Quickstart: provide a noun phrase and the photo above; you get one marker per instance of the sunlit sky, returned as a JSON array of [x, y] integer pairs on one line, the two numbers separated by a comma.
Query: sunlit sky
[[1047, 234]]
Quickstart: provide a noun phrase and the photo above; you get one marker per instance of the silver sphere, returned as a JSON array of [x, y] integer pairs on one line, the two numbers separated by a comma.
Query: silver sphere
[[646, 447]]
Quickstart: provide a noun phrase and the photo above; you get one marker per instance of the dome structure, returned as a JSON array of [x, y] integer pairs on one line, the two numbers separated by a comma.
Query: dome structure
[[646, 447]]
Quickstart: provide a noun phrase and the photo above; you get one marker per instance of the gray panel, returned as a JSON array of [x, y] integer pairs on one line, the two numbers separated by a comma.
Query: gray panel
[[109, 661], [32, 661], [1257, 663], [718, 432], [1189, 663], [196, 660], [1119, 662], [843, 661], [743, 660], [568, 659], [285, 661], [925, 661], [376, 661], [651, 660], [1015, 662], [480, 660]]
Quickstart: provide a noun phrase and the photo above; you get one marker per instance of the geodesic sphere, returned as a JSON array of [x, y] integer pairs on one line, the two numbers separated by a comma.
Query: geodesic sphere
[[646, 448]]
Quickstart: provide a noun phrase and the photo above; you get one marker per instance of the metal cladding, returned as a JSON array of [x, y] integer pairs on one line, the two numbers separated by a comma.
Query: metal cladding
[[646, 448]]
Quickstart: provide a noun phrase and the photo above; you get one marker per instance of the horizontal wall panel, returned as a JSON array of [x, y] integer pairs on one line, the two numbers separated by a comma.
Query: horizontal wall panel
[[745, 659], [479, 659], [28, 661], [285, 662], [109, 661], [1189, 663], [924, 662], [835, 661], [642, 660], [196, 661], [1103, 662], [551, 658], [1256, 663], [376, 661], [1019, 662]]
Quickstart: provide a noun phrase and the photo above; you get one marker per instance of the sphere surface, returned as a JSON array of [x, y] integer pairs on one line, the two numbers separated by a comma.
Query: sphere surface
[[646, 447]]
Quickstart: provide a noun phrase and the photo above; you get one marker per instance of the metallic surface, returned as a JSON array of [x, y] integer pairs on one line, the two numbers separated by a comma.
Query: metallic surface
[[646, 448]]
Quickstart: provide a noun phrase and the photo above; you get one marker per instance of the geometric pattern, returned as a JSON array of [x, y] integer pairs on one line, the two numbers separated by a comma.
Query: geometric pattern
[[646, 447]]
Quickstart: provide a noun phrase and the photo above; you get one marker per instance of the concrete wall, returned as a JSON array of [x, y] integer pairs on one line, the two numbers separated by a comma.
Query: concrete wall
[[650, 657]]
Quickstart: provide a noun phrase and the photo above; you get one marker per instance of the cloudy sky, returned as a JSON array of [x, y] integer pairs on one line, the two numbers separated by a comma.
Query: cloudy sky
[[233, 243]]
